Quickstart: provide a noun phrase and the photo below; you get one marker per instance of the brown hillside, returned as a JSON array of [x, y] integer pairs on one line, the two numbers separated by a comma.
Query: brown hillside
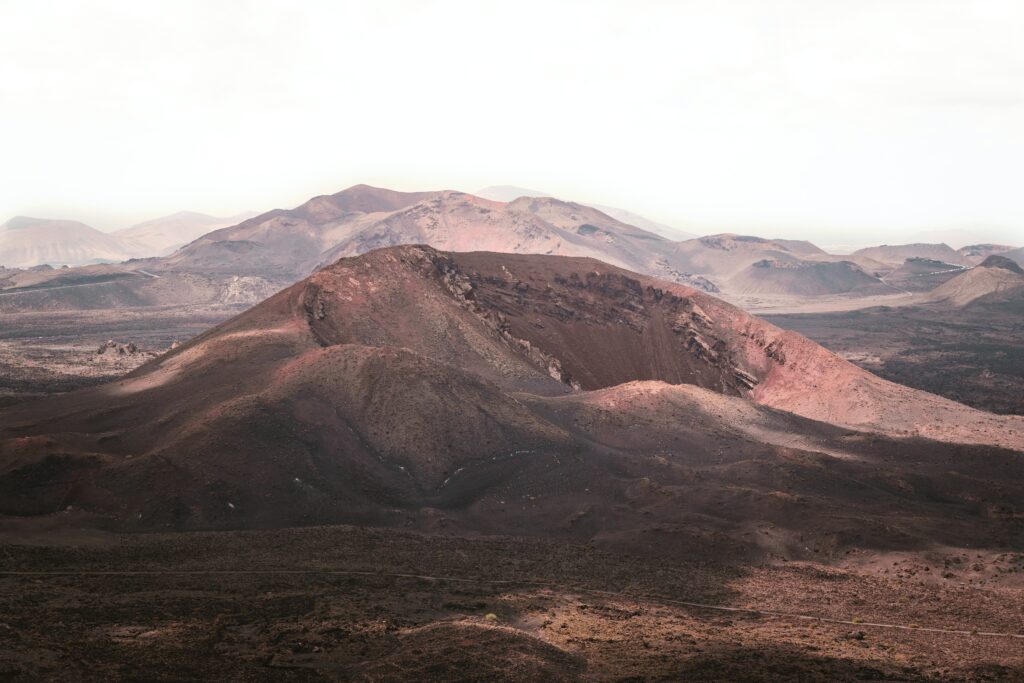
[[511, 394]]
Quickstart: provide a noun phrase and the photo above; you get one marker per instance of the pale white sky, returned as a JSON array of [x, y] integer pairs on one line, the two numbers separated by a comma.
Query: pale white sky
[[842, 121]]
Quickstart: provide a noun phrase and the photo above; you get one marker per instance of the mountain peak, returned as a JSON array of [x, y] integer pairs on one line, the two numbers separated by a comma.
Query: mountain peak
[[28, 223], [508, 193], [997, 261]]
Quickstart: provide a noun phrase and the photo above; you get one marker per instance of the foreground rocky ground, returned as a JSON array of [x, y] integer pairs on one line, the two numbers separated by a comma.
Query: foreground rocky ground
[[345, 603]]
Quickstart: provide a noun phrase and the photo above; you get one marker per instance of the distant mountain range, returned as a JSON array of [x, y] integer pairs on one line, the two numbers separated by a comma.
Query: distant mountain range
[[245, 260], [993, 276], [28, 242], [161, 236], [284, 245], [508, 193]]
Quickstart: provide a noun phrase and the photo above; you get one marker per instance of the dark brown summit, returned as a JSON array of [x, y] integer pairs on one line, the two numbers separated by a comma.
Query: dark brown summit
[[997, 261]]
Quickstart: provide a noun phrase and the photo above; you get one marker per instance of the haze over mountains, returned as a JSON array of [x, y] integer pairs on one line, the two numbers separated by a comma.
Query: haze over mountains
[[960, 339], [896, 254], [161, 236], [508, 193], [1015, 255], [995, 275], [27, 242], [247, 260], [30, 242]]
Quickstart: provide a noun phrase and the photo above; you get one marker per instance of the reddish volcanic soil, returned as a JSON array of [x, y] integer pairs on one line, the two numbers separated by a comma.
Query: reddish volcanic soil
[[346, 603], [408, 386], [605, 467], [973, 353]]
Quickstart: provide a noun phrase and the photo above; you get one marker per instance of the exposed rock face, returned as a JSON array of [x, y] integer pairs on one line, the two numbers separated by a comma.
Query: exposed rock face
[[247, 290], [117, 348], [115, 356]]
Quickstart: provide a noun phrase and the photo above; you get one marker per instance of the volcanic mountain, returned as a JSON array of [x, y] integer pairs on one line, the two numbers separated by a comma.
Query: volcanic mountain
[[976, 253], [1015, 255], [508, 193], [277, 248], [460, 222], [27, 242], [804, 278], [513, 394], [994, 275], [896, 255], [726, 255], [241, 264], [161, 236], [919, 274], [746, 265], [284, 245]]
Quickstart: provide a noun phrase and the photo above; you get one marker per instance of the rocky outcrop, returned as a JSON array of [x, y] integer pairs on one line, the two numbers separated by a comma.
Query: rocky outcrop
[[111, 347]]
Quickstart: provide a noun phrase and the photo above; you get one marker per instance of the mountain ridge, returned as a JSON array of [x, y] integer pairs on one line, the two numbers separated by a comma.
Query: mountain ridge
[[508, 193], [27, 242], [510, 394]]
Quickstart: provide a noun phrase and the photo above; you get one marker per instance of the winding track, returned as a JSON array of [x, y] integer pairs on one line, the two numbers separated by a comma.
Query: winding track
[[958, 269]]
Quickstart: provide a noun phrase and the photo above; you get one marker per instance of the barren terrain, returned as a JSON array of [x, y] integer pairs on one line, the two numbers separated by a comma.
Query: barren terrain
[[972, 354], [558, 469], [346, 603], [48, 352]]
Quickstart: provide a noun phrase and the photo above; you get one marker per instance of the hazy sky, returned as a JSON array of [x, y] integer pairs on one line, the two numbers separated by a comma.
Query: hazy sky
[[841, 121]]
